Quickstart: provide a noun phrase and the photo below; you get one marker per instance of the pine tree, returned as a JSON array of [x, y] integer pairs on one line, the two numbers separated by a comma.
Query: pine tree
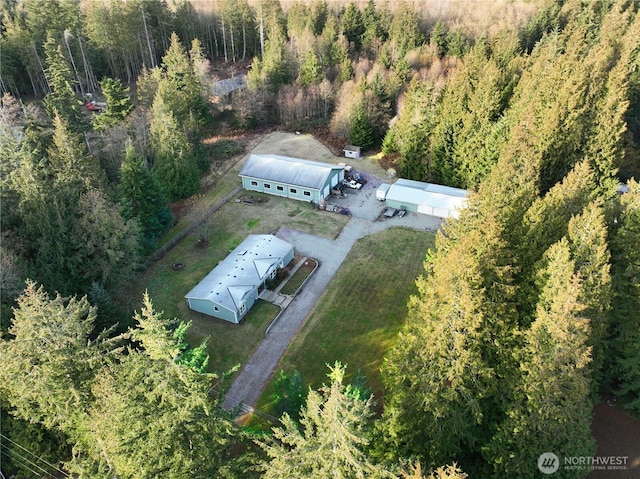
[[310, 70], [443, 376], [110, 316], [153, 417], [46, 210], [404, 30], [545, 223], [331, 439], [174, 166], [552, 407], [106, 245], [351, 24], [119, 104], [625, 259], [361, 132], [587, 235], [62, 100], [142, 198], [70, 166], [181, 91], [49, 362]]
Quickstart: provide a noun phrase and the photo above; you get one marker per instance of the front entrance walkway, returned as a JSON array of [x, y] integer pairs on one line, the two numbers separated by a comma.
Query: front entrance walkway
[[282, 300]]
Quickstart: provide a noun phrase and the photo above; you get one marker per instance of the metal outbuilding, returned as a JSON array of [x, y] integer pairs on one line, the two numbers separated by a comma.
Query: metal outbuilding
[[294, 178], [233, 287], [426, 198]]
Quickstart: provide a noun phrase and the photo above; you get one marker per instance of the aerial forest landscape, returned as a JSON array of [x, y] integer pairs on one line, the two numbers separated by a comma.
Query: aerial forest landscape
[[382, 338]]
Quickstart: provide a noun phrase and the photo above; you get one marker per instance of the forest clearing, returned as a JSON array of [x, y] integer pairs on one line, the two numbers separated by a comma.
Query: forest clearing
[[488, 345]]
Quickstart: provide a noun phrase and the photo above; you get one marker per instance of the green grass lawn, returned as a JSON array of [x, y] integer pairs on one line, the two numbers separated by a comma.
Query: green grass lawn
[[358, 318], [301, 274], [229, 344], [223, 187]]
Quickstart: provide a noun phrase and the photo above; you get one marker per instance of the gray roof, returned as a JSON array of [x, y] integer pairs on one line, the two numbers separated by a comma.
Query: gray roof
[[229, 85], [242, 271], [291, 171], [419, 193]]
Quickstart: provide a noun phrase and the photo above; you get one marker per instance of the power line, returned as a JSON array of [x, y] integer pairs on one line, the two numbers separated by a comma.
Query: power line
[[18, 461], [2, 436]]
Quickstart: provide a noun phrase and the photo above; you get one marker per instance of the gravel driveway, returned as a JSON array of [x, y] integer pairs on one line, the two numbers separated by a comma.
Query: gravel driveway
[[252, 379], [366, 219]]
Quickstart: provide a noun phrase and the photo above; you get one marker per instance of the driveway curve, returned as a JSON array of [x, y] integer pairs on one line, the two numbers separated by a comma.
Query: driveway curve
[[250, 382]]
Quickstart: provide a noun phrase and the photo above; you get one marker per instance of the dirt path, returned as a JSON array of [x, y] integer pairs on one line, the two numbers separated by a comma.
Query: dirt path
[[617, 435]]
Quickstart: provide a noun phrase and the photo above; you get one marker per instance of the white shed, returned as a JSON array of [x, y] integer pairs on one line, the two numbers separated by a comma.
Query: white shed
[[351, 151]]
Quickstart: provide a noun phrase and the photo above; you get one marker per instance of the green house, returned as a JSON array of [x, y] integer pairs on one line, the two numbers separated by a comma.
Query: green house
[[233, 287], [294, 178]]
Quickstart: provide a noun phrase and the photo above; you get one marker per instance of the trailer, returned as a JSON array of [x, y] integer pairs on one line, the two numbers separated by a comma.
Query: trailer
[[335, 209]]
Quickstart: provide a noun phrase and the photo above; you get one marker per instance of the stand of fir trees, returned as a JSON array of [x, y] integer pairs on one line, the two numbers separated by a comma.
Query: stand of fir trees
[[520, 312], [526, 311]]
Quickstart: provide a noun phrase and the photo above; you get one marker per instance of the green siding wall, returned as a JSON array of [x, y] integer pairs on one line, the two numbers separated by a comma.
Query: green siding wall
[[401, 204], [208, 307], [284, 190]]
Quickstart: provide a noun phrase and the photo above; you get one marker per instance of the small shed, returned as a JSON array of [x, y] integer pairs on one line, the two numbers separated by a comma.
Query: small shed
[[224, 89], [233, 286], [294, 178], [351, 151], [426, 198]]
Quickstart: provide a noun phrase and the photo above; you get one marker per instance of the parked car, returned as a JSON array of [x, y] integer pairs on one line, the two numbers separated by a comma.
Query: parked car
[[354, 184]]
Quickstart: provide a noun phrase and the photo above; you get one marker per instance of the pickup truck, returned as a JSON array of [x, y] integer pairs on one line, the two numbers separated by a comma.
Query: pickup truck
[[353, 184], [96, 106]]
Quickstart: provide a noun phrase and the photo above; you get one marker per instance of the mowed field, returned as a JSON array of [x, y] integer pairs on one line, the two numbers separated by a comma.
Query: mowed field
[[358, 318]]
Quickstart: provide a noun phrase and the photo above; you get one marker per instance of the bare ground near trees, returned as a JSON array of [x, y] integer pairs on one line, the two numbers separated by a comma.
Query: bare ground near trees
[[617, 434]]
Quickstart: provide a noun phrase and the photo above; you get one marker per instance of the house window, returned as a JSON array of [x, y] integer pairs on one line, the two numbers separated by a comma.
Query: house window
[[242, 309], [215, 308], [267, 186], [272, 275], [307, 193], [254, 183], [293, 191], [280, 188]]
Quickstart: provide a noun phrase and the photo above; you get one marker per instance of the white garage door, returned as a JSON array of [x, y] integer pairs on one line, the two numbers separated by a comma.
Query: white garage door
[[425, 209]]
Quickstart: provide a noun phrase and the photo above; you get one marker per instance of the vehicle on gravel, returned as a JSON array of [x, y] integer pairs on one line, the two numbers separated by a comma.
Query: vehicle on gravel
[[353, 184]]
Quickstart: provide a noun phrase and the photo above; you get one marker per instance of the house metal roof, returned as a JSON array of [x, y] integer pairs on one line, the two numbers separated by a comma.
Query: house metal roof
[[291, 171], [241, 271], [419, 193], [229, 85]]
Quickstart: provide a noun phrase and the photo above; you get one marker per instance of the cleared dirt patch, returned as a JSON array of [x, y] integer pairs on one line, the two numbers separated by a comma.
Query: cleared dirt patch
[[617, 434]]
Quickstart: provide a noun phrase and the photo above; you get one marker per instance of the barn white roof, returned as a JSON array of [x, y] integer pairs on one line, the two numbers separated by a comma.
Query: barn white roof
[[291, 171], [241, 271], [419, 193]]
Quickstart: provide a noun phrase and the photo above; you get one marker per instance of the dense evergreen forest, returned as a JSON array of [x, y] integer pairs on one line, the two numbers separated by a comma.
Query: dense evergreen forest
[[528, 307]]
